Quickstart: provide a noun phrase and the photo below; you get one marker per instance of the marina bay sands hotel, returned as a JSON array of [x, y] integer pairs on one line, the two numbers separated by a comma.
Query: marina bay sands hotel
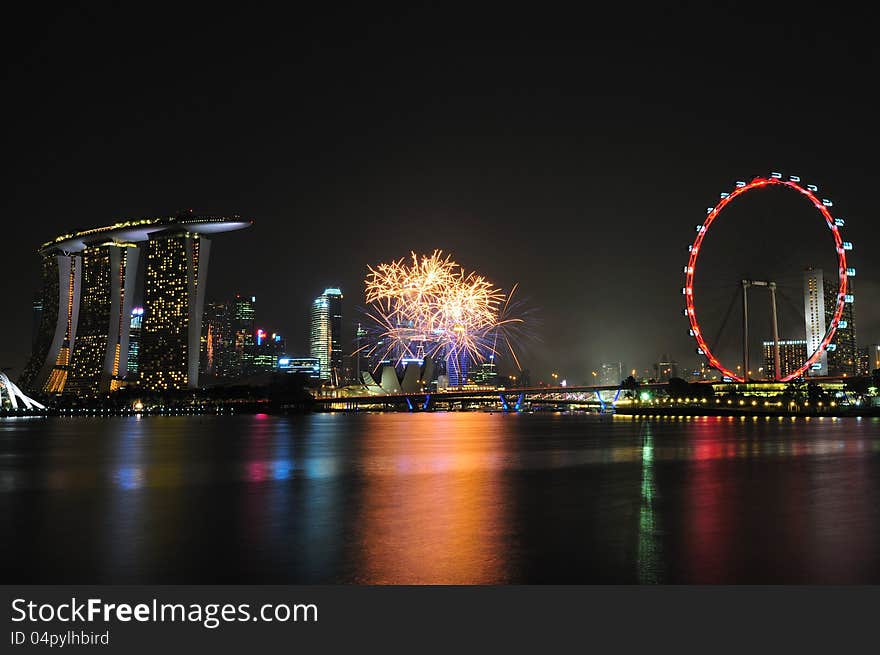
[[91, 281]]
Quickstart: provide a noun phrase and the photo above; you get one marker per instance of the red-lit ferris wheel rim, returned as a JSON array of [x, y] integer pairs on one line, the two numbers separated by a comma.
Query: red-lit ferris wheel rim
[[702, 231]]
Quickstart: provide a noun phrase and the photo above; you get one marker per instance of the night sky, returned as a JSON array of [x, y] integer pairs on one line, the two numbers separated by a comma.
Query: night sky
[[569, 151]]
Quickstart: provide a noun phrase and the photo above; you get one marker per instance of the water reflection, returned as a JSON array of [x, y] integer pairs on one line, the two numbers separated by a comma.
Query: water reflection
[[431, 508], [649, 559], [440, 498], [125, 508], [320, 539]]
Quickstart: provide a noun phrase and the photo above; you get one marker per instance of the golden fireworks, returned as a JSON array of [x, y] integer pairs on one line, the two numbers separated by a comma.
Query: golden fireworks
[[427, 304]]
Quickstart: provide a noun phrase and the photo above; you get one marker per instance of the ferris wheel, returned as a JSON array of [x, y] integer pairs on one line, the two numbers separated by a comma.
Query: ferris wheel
[[841, 247]]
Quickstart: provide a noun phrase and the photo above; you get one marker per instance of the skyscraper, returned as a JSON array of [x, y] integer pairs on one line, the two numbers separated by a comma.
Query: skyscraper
[[814, 315], [611, 373], [99, 361], [134, 342], [820, 301], [244, 312], [88, 284], [869, 359], [844, 359], [486, 371], [792, 355], [457, 367], [47, 369], [267, 350], [325, 335], [666, 369], [217, 345], [174, 289]]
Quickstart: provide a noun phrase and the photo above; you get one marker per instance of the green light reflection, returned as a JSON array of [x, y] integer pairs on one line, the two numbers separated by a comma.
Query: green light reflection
[[649, 557]]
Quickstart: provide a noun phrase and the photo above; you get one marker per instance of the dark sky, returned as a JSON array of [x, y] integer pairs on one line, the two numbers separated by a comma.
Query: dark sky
[[569, 150]]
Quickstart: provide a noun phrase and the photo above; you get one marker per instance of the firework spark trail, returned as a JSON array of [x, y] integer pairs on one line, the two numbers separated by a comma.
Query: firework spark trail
[[424, 305]]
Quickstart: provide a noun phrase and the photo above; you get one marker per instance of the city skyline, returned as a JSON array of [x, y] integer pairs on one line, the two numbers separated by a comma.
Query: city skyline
[[316, 297], [548, 193], [242, 335]]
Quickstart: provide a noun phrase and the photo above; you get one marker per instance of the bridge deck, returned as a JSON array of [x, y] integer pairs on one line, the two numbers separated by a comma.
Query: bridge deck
[[477, 394]]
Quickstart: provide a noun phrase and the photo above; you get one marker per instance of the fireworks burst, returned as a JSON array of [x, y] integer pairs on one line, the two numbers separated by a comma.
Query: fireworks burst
[[429, 305]]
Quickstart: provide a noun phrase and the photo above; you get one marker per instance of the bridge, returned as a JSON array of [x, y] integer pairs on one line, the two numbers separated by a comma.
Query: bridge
[[599, 397], [749, 396]]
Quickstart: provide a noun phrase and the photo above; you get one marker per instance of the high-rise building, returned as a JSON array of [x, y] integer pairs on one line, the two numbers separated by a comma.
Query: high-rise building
[[325, 335], [217, 344], [279, 345], [457, 362], [610, 373], [820, 301], [843, 359], [174, 292], [243, 315], [486, 371], [792, 355], [266, 351], [869, 359], [814, 315], [134, 342], [99, 361], [47, 369], [89, 281], [665, 369]]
